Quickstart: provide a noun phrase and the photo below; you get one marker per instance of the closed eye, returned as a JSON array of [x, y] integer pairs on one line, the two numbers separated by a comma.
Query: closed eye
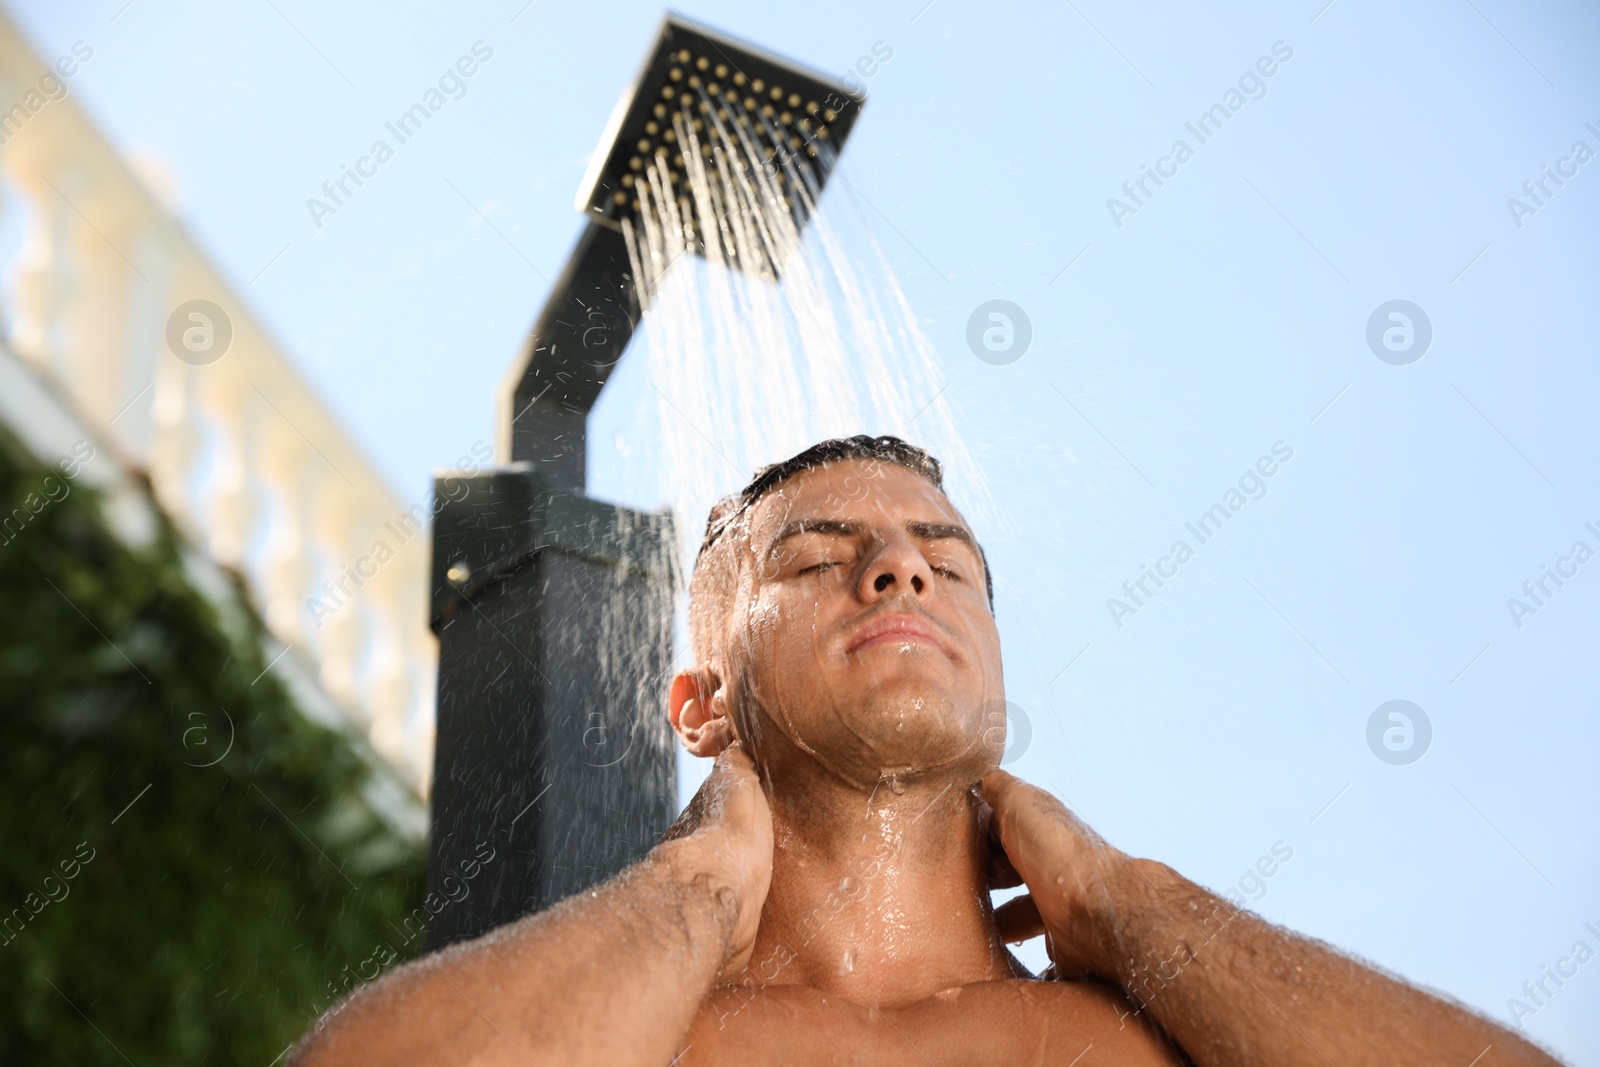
[[827, 565]]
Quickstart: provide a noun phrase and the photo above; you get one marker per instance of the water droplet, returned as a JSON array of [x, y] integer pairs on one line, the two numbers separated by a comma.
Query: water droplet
[[1061, 879], [847, 885], [847, 962], [896, 786]]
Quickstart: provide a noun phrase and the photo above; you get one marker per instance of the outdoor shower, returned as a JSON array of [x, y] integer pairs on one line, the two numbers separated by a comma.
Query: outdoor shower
[[554, 613]]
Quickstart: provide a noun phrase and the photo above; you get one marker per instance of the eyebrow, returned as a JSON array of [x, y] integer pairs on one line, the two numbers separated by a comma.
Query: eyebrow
[[922, 531]]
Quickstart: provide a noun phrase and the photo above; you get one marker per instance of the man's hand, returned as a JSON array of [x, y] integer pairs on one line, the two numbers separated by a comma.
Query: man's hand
[[1230, 988], [725, 837], [613, 975], [1070, 873]]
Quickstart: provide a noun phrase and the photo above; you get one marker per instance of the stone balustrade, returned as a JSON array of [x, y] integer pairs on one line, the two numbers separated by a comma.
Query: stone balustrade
[[239, 451]]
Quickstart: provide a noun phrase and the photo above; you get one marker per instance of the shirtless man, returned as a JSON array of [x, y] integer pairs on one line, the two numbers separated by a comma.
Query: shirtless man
[[825, 897]]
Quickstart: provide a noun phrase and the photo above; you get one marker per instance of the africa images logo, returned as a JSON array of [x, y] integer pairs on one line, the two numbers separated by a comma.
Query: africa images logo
[[999, 332], [337, 192], [199, 332], [1252, 85], [1399, 732], [1399, 332]]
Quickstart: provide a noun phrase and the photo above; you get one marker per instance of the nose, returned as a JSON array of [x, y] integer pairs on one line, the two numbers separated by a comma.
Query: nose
[[896, 568]]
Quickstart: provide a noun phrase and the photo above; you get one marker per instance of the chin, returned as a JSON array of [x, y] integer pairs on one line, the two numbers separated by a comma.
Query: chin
[[913, 726]]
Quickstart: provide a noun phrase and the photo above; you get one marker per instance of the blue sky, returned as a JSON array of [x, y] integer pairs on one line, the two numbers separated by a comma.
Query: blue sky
[[1227, 313]]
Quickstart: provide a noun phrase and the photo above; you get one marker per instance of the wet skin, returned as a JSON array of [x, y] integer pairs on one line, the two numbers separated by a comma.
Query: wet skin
[[1007, 1023], [824, 898], [863, 676]]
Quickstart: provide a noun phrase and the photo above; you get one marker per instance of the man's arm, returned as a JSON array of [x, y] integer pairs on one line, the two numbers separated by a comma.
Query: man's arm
[[610, 976], [1228, 986]]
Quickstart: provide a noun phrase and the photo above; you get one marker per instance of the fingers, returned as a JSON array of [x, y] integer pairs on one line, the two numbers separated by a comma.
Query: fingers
[[1031, 826], [1008, 793], [1018, 920], [1002, 874], [1005, 791], [997, 782], [1025, 815], [732, 766], [1067, 868], [1045, 843]]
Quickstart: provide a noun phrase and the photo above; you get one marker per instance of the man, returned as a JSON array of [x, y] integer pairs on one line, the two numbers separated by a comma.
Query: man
[[825, 897]]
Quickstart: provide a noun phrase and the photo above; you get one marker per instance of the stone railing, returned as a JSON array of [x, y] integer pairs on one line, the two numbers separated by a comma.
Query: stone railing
[[238, 449]]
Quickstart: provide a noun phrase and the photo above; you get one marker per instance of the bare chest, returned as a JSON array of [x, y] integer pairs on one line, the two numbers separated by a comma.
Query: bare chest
[[1005, 1022]]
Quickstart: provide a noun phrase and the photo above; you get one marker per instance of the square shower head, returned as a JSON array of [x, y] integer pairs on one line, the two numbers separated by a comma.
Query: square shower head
[[780, 119], [799, 118]]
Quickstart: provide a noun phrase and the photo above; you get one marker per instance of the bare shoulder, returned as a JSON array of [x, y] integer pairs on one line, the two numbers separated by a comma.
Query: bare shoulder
[[1004, 1022]]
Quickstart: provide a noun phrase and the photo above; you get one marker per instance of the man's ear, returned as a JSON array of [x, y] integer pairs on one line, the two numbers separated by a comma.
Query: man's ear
[[698, 711]]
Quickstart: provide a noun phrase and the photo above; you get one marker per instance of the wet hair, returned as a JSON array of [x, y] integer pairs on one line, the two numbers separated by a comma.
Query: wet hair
[[717, 566]]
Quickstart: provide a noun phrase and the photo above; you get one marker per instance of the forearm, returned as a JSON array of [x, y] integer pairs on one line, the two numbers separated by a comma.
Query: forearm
[[612, 976], [1233, 989]]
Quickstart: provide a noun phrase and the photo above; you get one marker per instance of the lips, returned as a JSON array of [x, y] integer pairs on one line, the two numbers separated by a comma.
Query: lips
[[896, 629]]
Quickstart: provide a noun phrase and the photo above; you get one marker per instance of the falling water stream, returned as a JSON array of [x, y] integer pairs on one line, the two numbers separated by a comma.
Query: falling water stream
[[765, 332]]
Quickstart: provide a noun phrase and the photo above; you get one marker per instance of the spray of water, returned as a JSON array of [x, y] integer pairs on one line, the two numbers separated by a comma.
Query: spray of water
[[777, 334]]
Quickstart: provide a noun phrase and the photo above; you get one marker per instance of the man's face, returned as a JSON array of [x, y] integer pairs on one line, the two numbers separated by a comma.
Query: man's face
[[867, 637]]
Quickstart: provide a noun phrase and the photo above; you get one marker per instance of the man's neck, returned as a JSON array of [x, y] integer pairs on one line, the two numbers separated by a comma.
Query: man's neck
[[880, 896]]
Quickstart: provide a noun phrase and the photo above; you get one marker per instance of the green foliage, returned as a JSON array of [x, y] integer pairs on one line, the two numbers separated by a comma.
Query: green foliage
[[210, 916]]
